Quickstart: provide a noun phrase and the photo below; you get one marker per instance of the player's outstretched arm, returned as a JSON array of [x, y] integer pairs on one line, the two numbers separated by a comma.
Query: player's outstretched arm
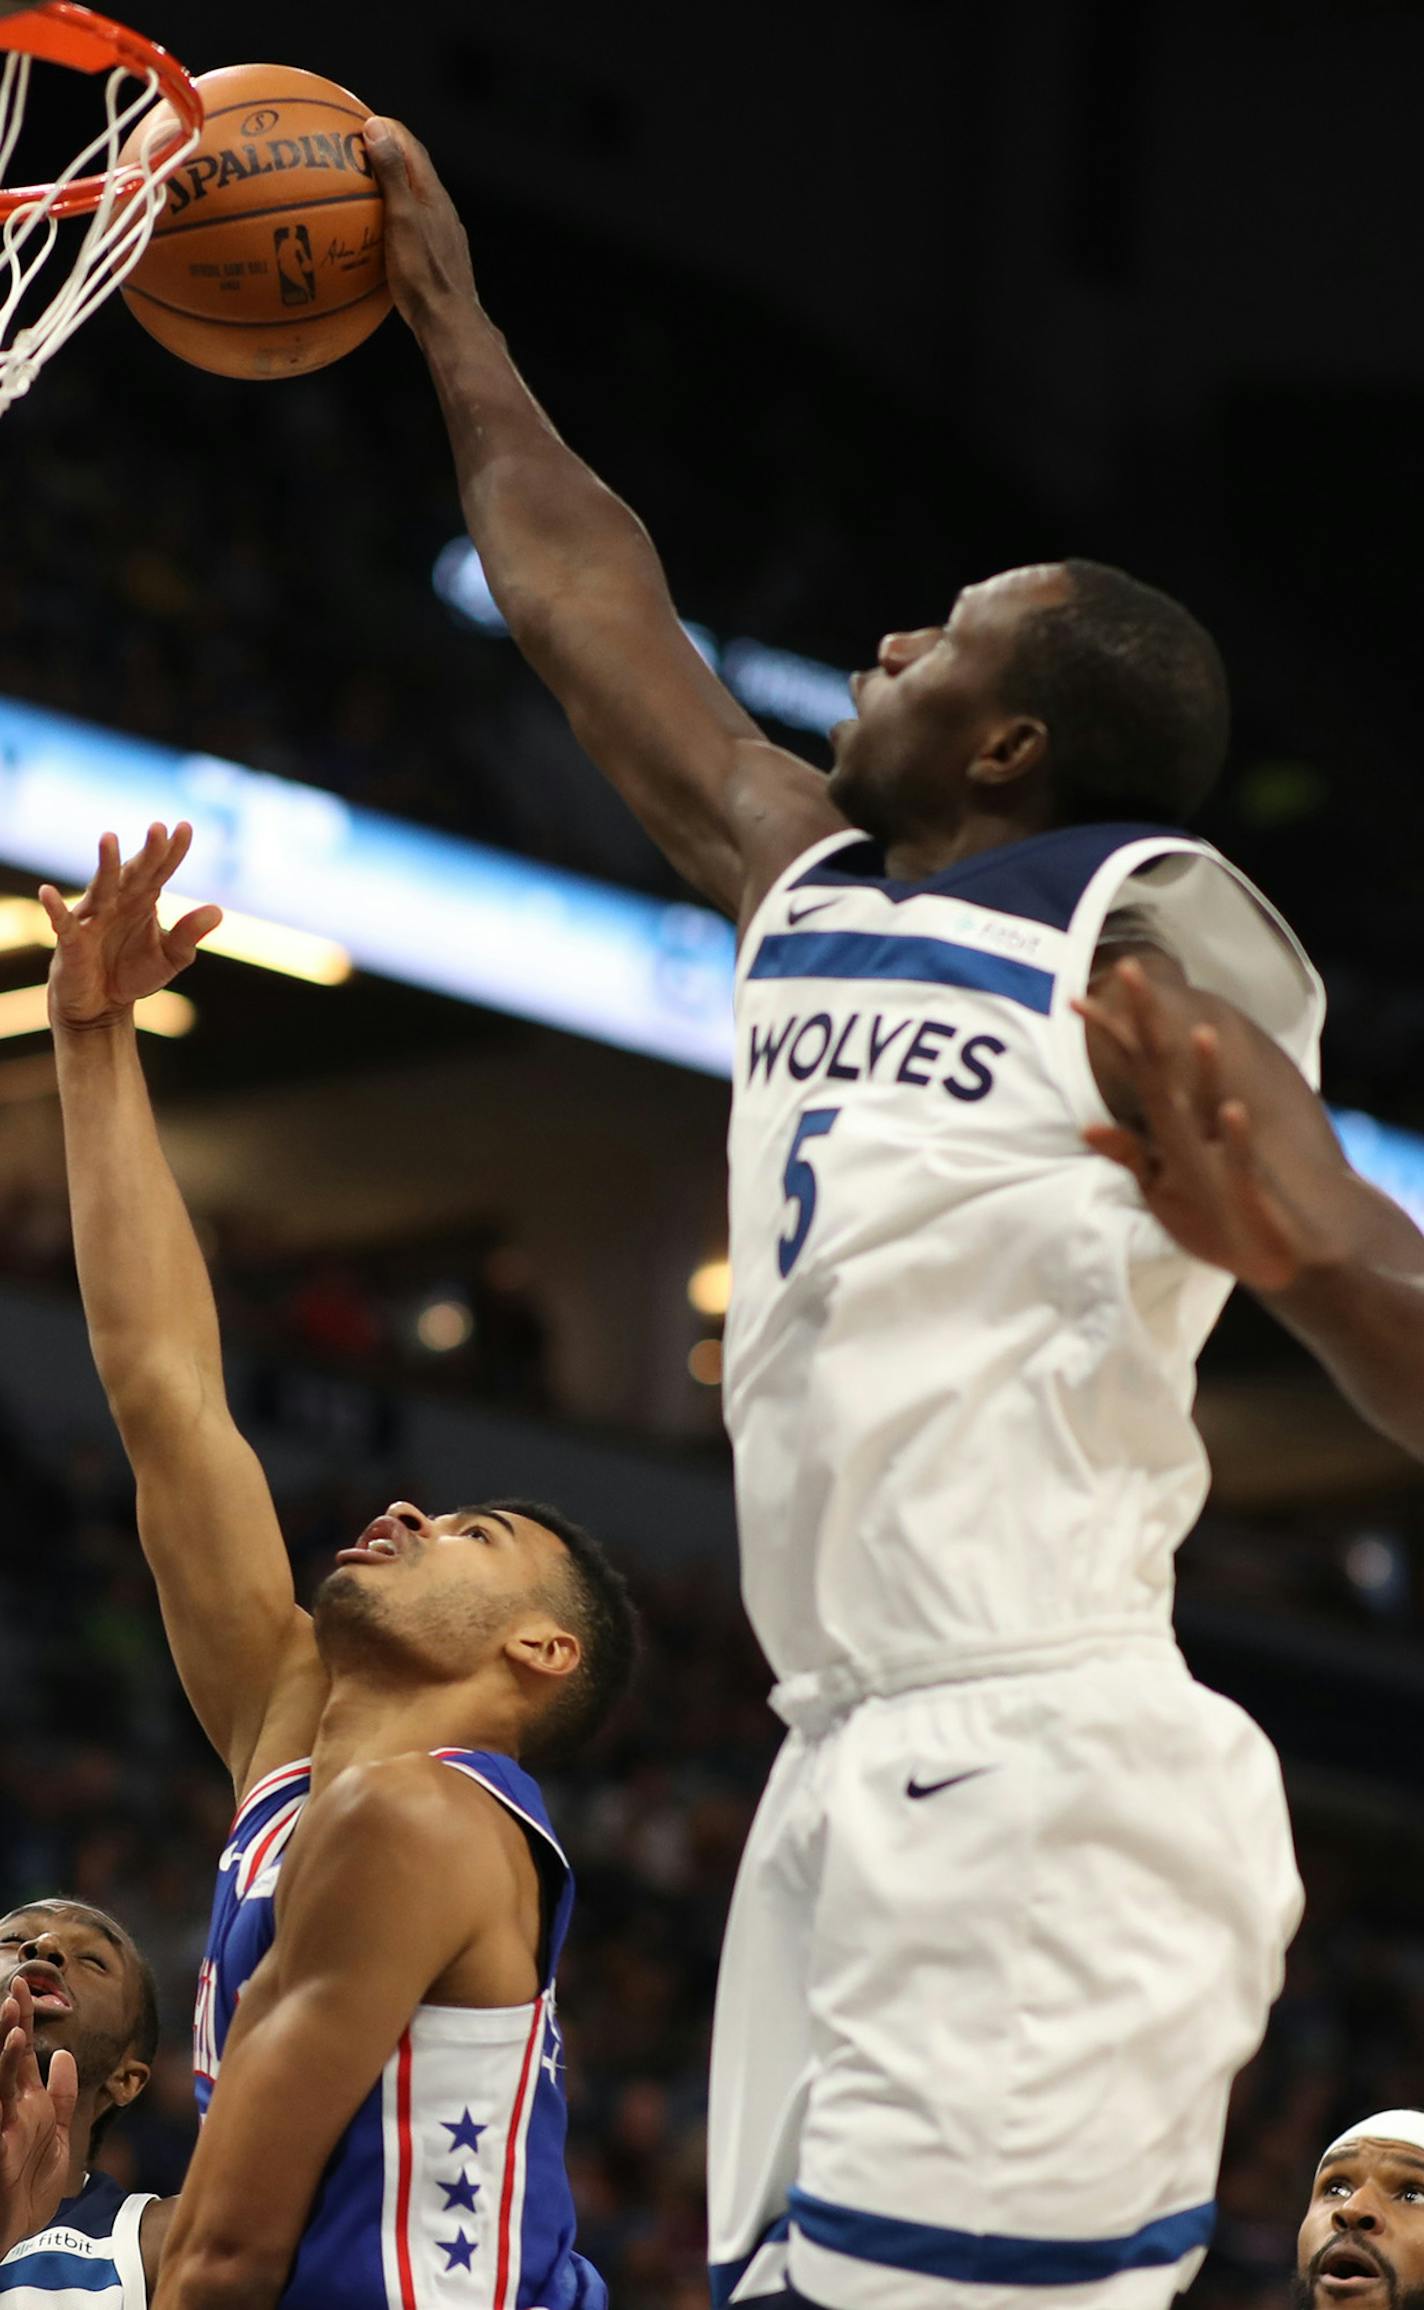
[[35, 2118], [1235, 1155], [205, 1513], [580, 584], [401, 1869]]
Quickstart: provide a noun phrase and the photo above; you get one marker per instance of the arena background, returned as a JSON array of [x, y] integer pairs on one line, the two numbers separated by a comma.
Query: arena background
[[854, 306]]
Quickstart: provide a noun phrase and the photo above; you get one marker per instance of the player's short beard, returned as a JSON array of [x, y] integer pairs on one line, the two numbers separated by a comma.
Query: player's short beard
[[97, 2055], [1304, 2296], [356, 1629]]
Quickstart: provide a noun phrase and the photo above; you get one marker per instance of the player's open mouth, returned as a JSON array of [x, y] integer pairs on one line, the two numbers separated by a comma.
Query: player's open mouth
[[44, 1989], [384, 1538], [1346, 2270]]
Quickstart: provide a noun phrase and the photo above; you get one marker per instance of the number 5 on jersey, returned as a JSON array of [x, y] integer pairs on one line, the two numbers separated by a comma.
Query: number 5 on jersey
[[799, 1184]]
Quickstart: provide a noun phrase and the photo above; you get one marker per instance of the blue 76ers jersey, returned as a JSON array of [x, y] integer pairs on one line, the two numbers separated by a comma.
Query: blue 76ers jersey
[[960, 1356], [447, 2191]]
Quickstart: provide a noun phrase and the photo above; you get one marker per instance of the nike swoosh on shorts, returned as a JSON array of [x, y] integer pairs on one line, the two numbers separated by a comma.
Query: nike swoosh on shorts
[[915, 1788]]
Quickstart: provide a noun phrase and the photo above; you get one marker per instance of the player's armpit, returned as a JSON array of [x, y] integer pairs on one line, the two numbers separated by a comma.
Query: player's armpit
[[397, 1871], [730, 810]]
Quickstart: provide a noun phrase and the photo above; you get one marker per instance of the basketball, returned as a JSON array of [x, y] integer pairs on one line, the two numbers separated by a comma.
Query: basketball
[[268, 259]]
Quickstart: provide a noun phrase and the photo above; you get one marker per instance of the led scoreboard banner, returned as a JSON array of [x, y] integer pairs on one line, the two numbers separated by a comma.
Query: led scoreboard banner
[[427, 908], [403, 900]]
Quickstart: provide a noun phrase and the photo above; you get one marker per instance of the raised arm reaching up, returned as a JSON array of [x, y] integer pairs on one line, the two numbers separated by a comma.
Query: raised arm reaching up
[[580, 583], [243, 1649]]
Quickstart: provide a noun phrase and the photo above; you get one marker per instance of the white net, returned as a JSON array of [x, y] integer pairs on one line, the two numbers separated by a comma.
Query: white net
[[110, 240]]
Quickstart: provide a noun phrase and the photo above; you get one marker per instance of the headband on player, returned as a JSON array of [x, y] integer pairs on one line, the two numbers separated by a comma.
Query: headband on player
[[1388, 2125]]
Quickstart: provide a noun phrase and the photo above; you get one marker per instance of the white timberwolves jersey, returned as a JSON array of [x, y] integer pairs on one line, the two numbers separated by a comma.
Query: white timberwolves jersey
[[960, 1358]]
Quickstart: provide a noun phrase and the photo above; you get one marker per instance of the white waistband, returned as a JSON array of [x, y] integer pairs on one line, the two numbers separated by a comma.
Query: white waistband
[[811, 1703]]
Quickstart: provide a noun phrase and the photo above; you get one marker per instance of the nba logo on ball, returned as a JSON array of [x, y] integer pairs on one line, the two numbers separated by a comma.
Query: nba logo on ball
[[296, 272], [269, 257]]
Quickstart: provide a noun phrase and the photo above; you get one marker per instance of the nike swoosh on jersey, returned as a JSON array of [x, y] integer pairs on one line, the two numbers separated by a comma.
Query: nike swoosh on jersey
[[915, 1788], [799, 913]]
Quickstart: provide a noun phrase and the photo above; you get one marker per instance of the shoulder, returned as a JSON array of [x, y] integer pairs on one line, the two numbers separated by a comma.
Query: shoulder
[[407, 1807]]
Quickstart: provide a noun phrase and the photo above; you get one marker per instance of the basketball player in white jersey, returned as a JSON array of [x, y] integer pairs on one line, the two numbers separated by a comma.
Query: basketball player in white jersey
[[1015, 1904], [377, 2050], [79, 2021], [1362, 2239]]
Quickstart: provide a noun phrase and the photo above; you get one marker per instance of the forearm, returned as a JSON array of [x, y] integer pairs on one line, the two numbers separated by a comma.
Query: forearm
[[280, 2107], [546, 528], [147, 1296], [580, 583], [216, 2281], [1359, 1308]]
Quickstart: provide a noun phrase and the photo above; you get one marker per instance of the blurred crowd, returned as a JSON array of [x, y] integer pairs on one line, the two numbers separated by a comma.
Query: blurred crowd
[[107, 1791], [462, 1309]]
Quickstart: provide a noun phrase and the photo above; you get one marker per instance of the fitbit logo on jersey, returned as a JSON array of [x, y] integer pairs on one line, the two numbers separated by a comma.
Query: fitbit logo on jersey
[[210, 171], [866, 1048]]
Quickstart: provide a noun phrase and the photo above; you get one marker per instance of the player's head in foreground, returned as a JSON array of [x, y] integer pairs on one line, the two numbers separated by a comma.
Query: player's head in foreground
[[1054, 695], [508, 1616], [94, 1996], [1362, 2240]]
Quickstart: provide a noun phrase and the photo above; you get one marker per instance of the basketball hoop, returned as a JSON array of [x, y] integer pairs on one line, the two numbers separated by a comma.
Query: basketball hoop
[[122, 204]]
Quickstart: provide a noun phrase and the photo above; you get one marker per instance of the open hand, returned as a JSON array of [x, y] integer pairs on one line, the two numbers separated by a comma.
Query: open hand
[[427, 252], [1231, 1192], [110, 950], [35, 2119]]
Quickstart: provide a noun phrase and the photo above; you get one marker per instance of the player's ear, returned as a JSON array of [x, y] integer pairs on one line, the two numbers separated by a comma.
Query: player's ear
[[126, 2081], [1013, 748], [544, 1650]]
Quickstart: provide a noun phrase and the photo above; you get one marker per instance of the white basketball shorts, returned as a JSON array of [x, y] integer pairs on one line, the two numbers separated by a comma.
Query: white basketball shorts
[[997, 1950]]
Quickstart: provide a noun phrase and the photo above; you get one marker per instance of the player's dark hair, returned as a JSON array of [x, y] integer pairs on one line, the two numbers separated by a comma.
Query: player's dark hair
[[1134, 695], [602, 1615]]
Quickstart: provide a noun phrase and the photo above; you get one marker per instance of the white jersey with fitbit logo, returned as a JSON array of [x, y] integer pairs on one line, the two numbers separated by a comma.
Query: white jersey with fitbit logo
[[960, 1357], [88, 2258]]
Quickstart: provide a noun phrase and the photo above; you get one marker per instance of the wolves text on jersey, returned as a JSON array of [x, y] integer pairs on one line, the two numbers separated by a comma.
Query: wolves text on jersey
[[866, 1047]]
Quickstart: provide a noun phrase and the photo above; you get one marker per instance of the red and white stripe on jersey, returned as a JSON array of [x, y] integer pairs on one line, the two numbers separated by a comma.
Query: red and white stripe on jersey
[[511, 2196], [205, 2039], [267, 1849], [285, 1776], [457, 2099]]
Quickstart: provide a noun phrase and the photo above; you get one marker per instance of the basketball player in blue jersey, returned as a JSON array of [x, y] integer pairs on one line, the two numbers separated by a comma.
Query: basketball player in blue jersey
[[1015, 1904], [79, 2021], [388, 2125]]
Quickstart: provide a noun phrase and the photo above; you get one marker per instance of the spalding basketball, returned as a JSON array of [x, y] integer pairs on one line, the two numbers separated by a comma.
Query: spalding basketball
[[268, 259]]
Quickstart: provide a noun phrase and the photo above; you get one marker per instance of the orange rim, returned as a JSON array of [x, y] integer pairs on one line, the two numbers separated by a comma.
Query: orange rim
[[64, 32]]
